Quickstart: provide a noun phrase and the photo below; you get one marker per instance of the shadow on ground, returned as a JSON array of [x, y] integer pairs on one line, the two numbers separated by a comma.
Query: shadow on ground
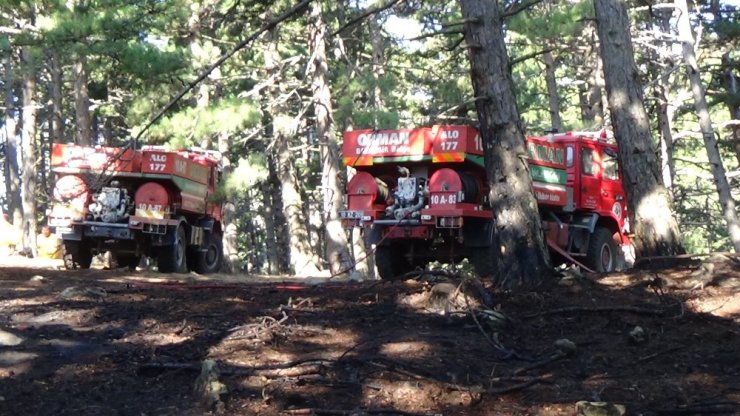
[[662, 341]]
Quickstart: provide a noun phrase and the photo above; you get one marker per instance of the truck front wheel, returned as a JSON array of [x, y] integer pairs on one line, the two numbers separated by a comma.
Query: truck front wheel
[[602, 253], [210, 260], [172, 258], [77, 255]]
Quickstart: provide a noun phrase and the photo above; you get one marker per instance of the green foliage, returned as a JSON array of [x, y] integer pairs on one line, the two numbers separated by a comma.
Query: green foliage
[[189, 126], [248, 172], [4, 44], [553, 20], [140, 53], [147, 62]]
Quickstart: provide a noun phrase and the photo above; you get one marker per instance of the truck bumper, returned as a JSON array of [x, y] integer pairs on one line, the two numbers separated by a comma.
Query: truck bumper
[[115, 231]]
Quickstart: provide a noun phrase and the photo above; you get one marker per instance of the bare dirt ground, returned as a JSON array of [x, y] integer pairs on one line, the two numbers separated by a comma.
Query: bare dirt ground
[[111, 342]]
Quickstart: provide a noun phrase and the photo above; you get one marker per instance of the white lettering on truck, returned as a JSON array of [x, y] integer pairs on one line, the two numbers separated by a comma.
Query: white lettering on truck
[[378, 143]]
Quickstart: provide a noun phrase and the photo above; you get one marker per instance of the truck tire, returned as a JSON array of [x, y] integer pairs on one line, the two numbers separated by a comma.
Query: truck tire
[[390, 262], [602, 255], [173, 258], [483, 261], [210, 260], [77, 255], [129, 261]]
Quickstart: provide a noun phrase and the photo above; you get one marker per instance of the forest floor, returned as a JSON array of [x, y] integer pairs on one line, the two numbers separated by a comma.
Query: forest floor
[[664, 341]]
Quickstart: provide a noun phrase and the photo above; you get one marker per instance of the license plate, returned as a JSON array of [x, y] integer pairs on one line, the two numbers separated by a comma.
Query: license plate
[[63, 230], [350, 214]]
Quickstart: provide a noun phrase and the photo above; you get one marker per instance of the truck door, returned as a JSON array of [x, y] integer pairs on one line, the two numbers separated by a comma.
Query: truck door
[[590, 176], [612, 191]]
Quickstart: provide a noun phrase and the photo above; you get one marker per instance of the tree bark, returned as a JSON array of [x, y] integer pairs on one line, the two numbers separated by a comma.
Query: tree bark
[[655, 228], [732, 84], [336, 239], [376, 40], [592, 107], [552, 92], [57, 120], [519, 248], [82, 103], [662, 93], [599, 101], [729, 211], [301, 258], [12, 169], [230, 239], [268, 212], [665, 121], [30, 110]]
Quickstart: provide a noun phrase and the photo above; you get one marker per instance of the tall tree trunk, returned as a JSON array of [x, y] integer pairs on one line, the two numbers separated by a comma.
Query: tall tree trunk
[[592, 108], [729, 80], [57, 120], [666, 104], [665, 121], [732, 85], [268, 211], [552, 91], [29, 113], [519, 247], [82, 103], [336, 239], [230, 237], [376, 39], [656, 230], [597, 98], [12, 169], [301, 257], [729, 211]]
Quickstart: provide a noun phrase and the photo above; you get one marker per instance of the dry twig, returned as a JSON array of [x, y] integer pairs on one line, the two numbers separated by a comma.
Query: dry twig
[[571, 309], [655, 354]]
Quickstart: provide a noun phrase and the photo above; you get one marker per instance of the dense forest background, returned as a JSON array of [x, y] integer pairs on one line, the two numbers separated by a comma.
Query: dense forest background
[[300, 73]]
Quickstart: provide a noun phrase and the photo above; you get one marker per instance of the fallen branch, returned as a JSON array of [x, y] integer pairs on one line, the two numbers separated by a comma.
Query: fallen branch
[[720, 407], [655, 354], [289, 369], [571, 309], [493, 340], [554, 357], [468, 389]]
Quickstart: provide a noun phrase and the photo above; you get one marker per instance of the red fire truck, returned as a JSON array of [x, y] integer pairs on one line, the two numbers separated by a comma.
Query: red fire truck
[[421, 195], [148, 201]]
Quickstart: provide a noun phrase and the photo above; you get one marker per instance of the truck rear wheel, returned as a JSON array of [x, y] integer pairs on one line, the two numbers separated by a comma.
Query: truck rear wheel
[[77, 255], [210, 260], [129, 261], [602, 253], [390, 262], [173, 258], [483, 261]]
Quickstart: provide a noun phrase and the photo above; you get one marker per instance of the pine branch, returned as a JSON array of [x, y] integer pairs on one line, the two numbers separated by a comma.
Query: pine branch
[[523, 58], [511, 11], [241, 45], [362, 16], [437, 33]]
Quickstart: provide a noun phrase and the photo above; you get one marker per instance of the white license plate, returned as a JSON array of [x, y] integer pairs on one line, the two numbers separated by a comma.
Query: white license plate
[[63, 230], [351, 214]]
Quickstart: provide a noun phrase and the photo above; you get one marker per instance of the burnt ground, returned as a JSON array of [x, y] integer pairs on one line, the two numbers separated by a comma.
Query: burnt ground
[[102, 342]]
